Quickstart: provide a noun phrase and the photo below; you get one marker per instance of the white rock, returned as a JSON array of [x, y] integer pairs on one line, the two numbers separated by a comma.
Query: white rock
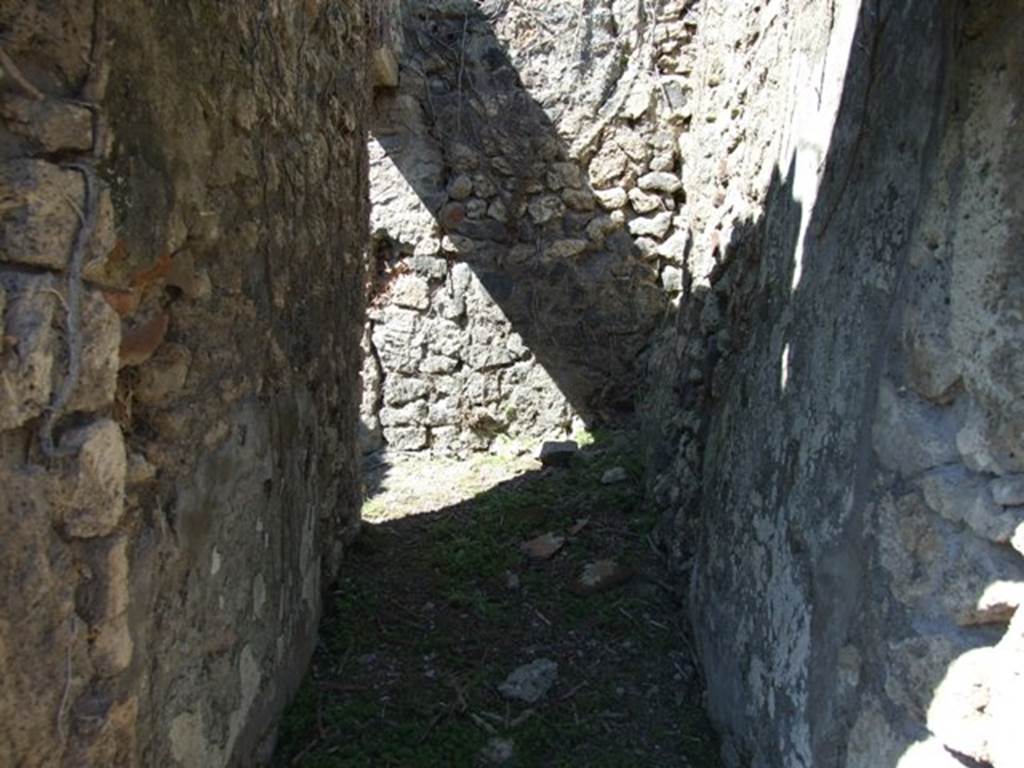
[[531, 681], [672, 279], [411, 291], [644, 202], [611, 199], [660, 181], [674, 249], [652, 226]]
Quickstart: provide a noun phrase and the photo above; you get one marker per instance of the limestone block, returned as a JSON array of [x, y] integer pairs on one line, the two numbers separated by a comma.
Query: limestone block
[[163, 377], [674, 248], [498, 211], [660, 181], [672, 279], [51, 124], [633, 145], [961, 496], [429, 266], [406, 438], [443, 337], [438, 364], [563, 249], [564, 175], [411, 291], [611, 199], [651, 226], [608, 165], [100, 350], [91, 498], [578, 199], [443, 413], [647, 247], [643, 202], [543, 208], [484, 186], [400, 390], [910, 434], [42, 203], [407, 415], [460, 187], [30, 346], [384, 68], [36, 351]]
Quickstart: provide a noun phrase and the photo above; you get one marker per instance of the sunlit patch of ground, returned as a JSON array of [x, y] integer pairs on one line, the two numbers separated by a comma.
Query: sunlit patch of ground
[[435, 610]]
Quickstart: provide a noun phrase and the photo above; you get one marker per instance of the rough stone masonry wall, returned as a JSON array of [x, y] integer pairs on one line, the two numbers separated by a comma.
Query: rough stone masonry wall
[[523, 194], [182, 225], [835, 412]]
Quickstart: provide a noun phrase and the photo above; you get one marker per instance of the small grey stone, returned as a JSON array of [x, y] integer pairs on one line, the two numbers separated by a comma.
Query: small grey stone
[[558, 453], [614, 475], [531, 681]]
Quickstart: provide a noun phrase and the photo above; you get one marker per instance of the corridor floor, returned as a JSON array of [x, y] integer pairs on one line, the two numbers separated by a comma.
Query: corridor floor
[[552, 573]]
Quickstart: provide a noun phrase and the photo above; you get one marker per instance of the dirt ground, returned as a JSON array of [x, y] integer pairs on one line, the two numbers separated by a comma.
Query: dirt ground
[[436, 610]]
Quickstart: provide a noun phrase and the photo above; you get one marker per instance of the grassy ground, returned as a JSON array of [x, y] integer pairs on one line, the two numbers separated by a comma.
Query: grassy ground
[[425, 625]]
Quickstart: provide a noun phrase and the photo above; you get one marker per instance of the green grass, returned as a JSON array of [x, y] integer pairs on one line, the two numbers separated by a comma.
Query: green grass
[[457, 560]]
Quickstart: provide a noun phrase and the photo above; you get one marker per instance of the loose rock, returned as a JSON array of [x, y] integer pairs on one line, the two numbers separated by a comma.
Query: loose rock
[[530, 682], [558, 453], [614, 475]]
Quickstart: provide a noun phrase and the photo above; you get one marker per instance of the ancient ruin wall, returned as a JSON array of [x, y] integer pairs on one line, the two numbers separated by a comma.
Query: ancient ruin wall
[[182, 229], [520, 193], [835, 410]]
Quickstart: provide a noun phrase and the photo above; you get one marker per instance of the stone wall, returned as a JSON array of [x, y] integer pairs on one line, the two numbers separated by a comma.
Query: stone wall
[[518, 275], [182, 229], [834, 412], [796, 231]]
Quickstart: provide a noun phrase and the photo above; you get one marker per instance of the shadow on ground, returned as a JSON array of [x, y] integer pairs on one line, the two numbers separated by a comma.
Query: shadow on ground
[[437, 609]]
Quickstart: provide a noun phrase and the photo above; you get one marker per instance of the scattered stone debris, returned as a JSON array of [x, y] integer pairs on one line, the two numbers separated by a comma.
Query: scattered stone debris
[[601, 576], [531, 681], [544, 547], [614, 475], [498, 750], [558, 453]]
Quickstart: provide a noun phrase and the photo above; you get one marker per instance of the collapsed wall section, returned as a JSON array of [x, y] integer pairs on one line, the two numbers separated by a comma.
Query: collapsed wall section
[[182, 224]]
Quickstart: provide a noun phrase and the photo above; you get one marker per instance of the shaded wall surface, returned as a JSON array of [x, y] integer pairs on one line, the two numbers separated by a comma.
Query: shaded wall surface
[[835, 410], [182, 224]]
